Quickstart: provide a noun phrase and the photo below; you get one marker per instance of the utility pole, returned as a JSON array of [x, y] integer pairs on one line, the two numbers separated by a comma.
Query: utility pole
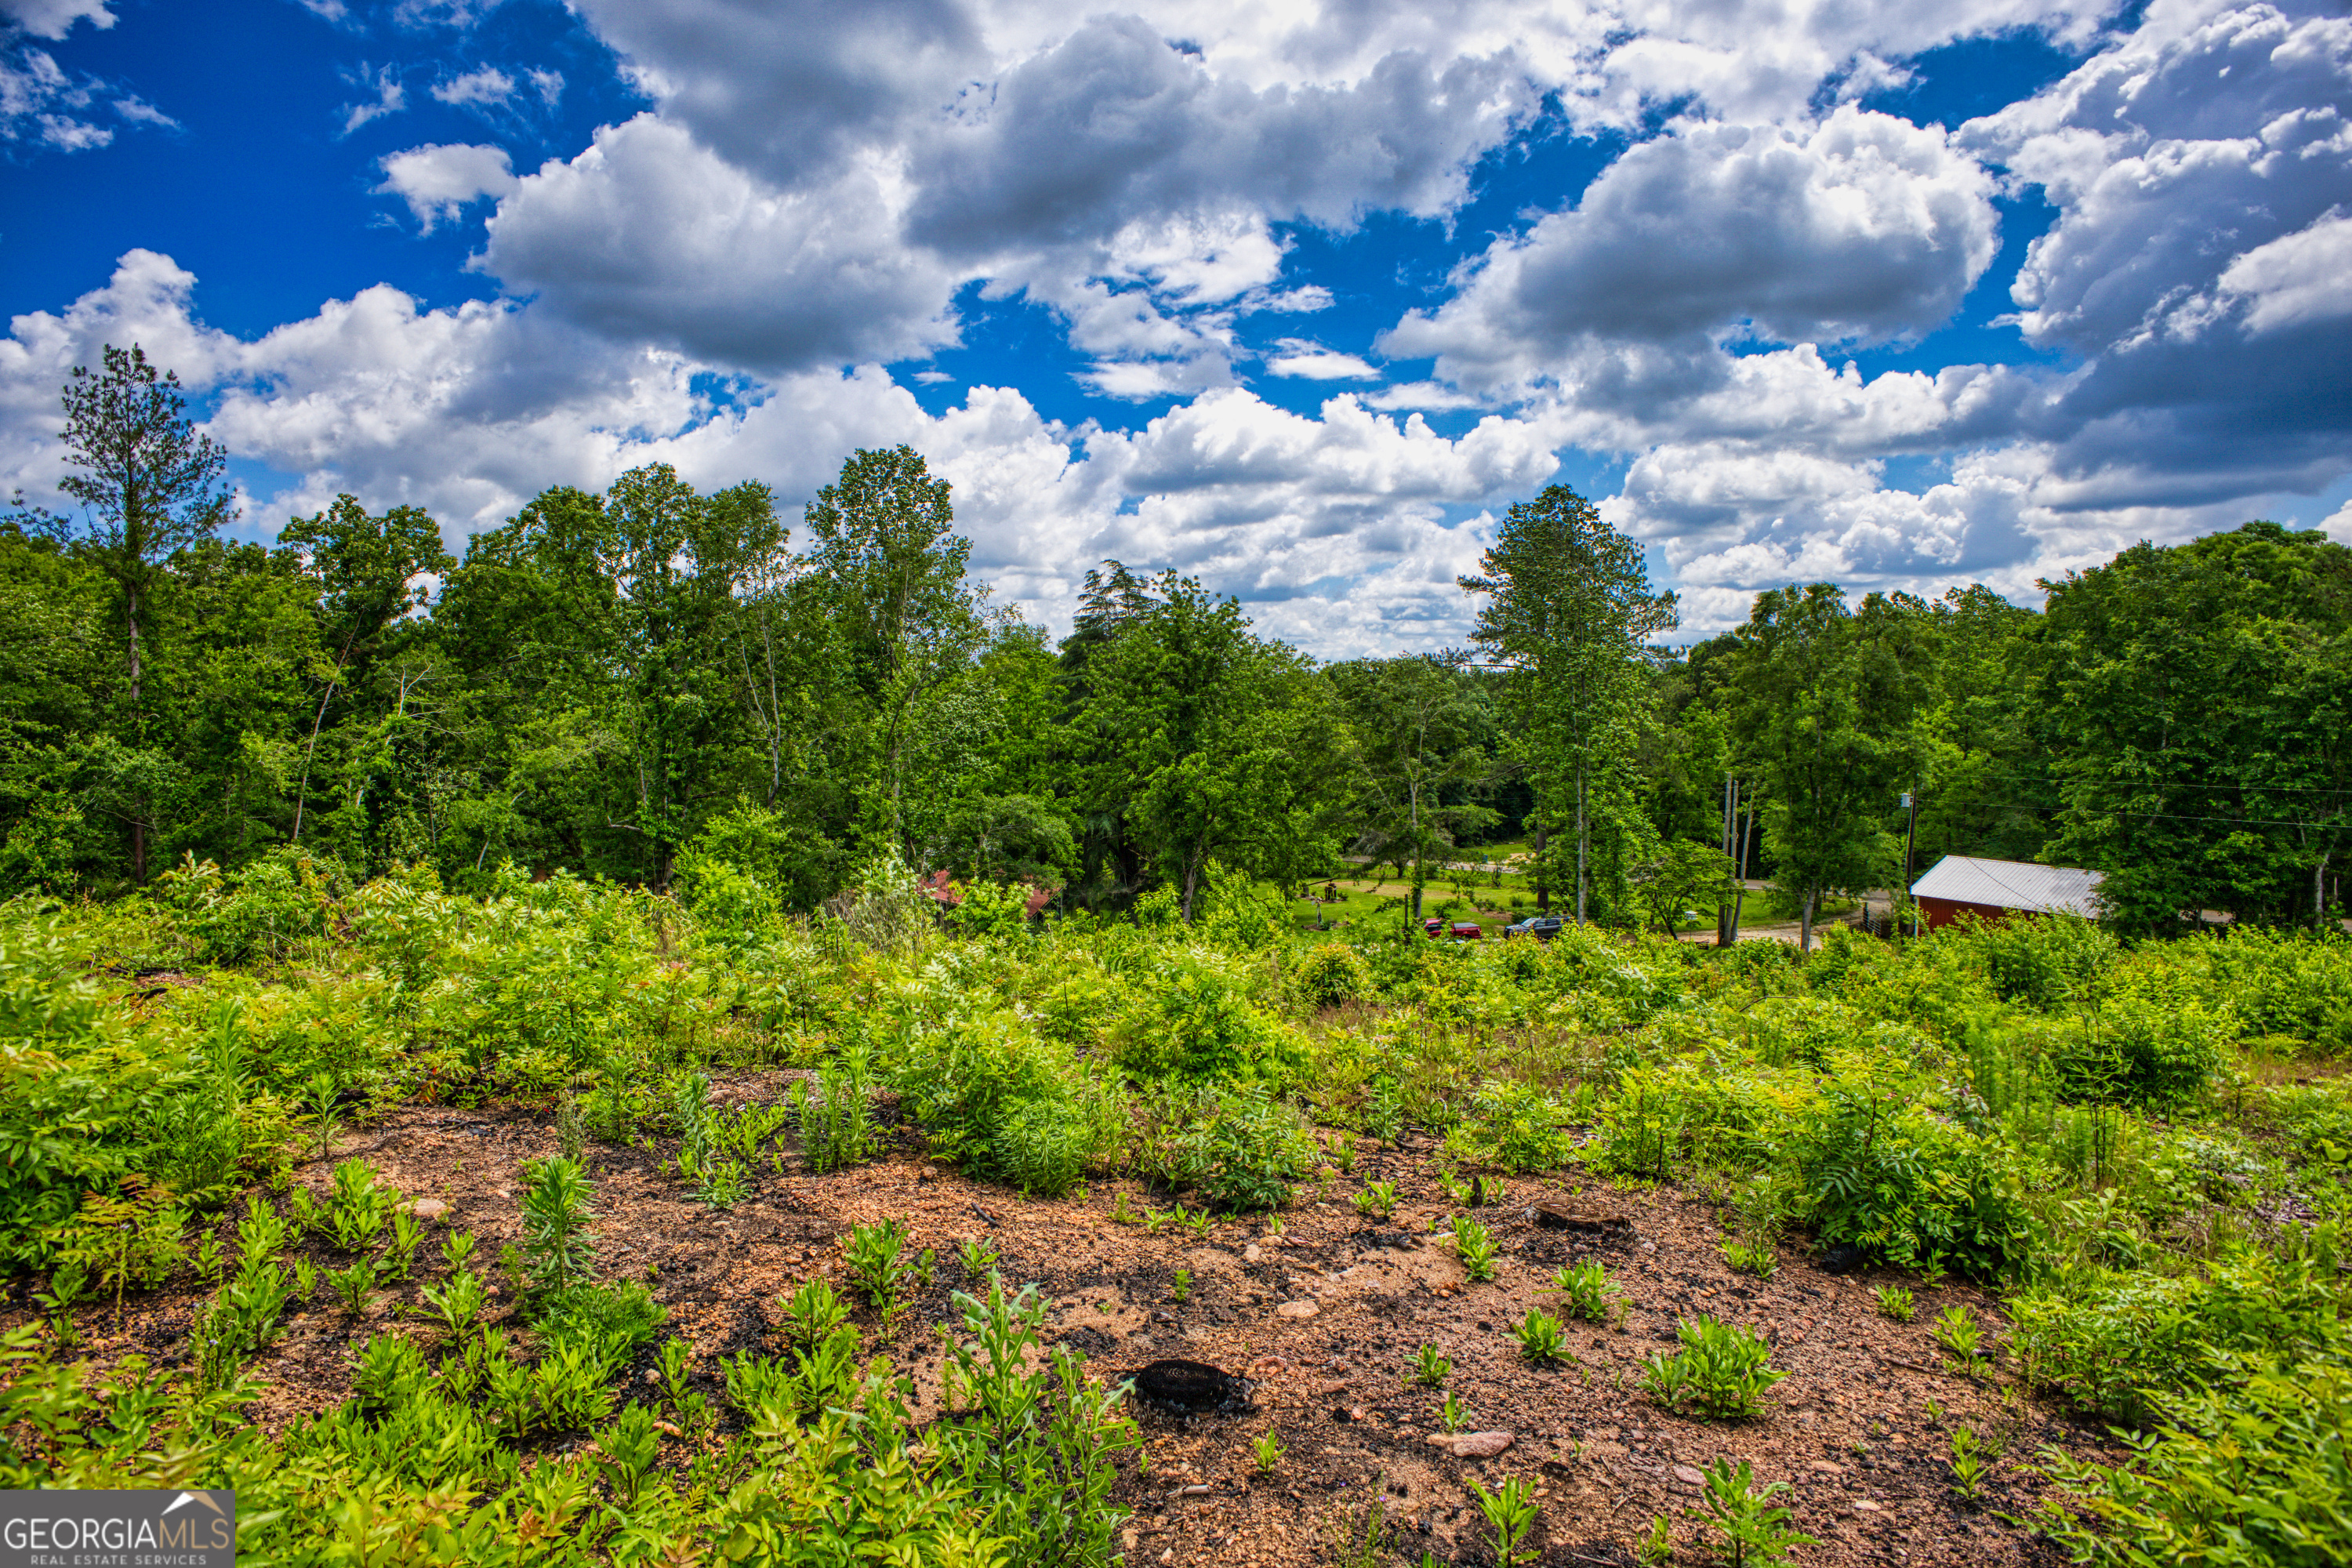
[[1730, 830], [1910, 834]]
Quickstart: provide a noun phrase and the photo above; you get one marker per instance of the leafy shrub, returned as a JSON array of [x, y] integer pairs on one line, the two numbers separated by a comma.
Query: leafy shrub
[[1586, 1292], [559, 1250], [2160, 1051], [2051, 962], [1722, 1371], [1194, 1023], [2105, 1339], [1331, 975], [1883, 1172], [1474, 1244], [1241, 1149], [2253, 1471], [1004, 1103], [1512, 1126]]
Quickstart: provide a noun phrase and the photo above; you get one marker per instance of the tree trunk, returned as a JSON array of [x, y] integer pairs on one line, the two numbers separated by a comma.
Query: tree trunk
[[1583, 838], [131, 619], [2320, 894], [1805, 924], [1543, 893], [1420, 860], [1191, 882]]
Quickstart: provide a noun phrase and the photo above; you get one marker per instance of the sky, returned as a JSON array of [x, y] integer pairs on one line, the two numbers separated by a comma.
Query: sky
[[1297, 298]]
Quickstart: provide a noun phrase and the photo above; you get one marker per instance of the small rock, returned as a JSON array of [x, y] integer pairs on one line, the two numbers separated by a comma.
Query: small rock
[[1250, 1254], [1473, 1444], [1689, 1476], [1866, 1505], [1297, 1309], [429, 1208], [1337, 1385], [1198, 1488], [1827, 1468], [653, 1374]]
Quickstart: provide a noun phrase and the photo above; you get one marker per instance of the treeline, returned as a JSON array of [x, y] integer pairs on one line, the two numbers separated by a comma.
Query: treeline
[[617, 683]]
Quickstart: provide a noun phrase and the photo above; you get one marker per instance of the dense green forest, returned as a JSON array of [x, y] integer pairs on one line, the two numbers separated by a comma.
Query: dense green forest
[[613, 684]]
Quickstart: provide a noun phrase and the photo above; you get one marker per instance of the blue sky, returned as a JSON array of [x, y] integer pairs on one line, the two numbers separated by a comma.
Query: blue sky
[[1297, 298]]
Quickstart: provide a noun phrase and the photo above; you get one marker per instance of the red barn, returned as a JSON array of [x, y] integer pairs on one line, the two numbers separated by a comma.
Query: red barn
[[1995, 890]]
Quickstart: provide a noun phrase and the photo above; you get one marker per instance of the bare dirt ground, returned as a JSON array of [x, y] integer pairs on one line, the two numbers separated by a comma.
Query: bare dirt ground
[[1324, 1317]]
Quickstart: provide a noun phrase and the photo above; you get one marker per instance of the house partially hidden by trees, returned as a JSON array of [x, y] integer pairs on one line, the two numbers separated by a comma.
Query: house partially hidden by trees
[[1995, 890]]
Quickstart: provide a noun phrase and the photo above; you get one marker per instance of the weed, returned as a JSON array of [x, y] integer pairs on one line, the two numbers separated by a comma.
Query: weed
[[1452, 1416], [1756, 1258], [1657, 1547], [1541, 1342], [1895, 1304], [627, 1450], [571, 1134], [557, 1249], [321, 1100], [1456, 1191], [306, 1278], [1121, 1214], [1268, 1451], [1363, 1541], [408, 1234], [1754, 1530], [1586, 1292], [1721, 1371], [353, 1286], [1968, 1465], [457, 1301], [1180, 1289], [358, 1208], [1430, 1367], [1474, 1244], [979, 1257], [1377, 1201], [1958, 1332], [878, 1266], [457, 1248], [1510, 1512], [814, 1312]]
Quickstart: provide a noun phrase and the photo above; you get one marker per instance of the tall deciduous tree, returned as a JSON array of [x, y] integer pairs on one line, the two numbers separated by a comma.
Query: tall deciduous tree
[[2199, 707], [1570, 609], [891, 574], [1822, 703], [1207, 741], [1419, 734], [149, 485], [370, 572]]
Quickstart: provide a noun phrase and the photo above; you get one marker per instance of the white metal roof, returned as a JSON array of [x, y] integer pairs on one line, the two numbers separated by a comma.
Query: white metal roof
[[2011, 885]]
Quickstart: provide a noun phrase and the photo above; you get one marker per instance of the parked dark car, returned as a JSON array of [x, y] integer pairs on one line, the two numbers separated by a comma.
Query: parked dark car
[[1543, 928], [1464, 931]]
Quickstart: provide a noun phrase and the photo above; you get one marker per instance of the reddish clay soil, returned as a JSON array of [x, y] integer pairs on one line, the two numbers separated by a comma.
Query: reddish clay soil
[[1324, 1318]]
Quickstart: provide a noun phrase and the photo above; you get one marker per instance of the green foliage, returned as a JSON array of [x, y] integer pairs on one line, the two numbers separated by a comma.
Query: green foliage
[[1377, 1201], [1722, 1371], [1753, 1528], [2253, 1470], [1586, 1292], [1332, 974], [1958, 1332], [1512, 1126], [1510, 1510], [1430, 1367], [1474, 1244], [559, 1250], [1756, 1258], [1540, 1341], [875, 1255], [1240, 1149], [1894, 1302]]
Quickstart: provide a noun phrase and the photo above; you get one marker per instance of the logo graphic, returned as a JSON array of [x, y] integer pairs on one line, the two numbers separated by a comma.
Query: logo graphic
[[118, 1530]]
